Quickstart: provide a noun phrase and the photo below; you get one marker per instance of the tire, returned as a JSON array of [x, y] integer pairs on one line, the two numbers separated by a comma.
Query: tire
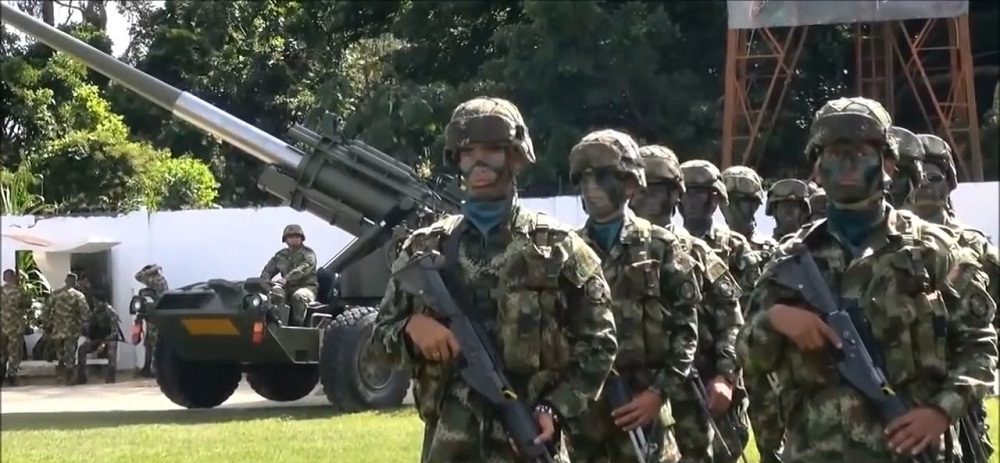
[[347, 385], [283, 382], [194, 384]]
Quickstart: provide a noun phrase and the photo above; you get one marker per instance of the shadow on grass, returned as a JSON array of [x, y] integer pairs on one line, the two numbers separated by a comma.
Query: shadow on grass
[[109, 419]]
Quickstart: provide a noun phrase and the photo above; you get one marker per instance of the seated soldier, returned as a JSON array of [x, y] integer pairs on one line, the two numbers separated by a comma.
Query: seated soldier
[[297, 266], [103, 332]]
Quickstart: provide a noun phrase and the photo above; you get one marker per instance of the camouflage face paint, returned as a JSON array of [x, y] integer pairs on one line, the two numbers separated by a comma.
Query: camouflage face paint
[[850, 171], [788, 217], [900, 188], [739, 213], [603, 194], [657, 202], [932, 196], [697, 207], [485, 171]]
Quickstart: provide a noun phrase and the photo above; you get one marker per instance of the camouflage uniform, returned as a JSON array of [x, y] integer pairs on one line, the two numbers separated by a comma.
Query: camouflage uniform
[[817, 204], [14, 306], [937, 347], [937, 153], [719, 318], [909, 170], [101, 330], [68, 309], [298, 267], [152, 277], [535, 288], [790, 190], [742, 181], [655, 288]]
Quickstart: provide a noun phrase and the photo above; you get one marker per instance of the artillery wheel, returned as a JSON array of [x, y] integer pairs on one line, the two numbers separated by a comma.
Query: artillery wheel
[[194, 384], [350, 380], [283, 382]]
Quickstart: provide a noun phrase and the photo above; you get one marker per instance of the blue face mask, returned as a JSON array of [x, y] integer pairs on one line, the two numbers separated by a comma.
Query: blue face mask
[[605, 234], [486, 215], [853, 225]]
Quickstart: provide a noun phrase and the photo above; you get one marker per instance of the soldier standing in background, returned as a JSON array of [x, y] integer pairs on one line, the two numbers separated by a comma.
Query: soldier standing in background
[[68, 308], [14, 306], [655, 289], [102, 330], [297, 266], [788, 203], [719, 316], [534, 287], [152, 277], [745, 191], [909, 172], [83, 285], [919, 299]]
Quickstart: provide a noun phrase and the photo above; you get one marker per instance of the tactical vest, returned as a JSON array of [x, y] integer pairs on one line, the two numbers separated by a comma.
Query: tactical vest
[[637, 303]]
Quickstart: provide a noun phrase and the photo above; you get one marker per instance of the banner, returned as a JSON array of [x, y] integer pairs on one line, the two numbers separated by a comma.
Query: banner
[[755, 14]]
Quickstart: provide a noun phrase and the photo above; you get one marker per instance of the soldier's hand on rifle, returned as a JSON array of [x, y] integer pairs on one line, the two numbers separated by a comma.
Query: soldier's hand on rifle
[[435, 341], [918, 428], [720, 395], [641, 411], [547, 427], [803, 327]]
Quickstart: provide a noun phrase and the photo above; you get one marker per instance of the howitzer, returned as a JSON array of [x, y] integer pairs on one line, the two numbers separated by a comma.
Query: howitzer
[[853, 360], [216, 330], [480, 366], [619, 395]]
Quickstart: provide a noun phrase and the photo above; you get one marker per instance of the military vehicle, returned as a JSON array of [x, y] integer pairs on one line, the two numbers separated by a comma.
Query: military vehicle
[[211, 333]]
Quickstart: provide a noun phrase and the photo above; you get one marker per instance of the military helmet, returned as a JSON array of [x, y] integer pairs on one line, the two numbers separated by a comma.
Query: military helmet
[[701, 173], [661, 165], [854, 118], [911, 152], [743, 180], [487, 120], [787, 189], [607, 149], [292, 229], [937, 151], [817, 200]]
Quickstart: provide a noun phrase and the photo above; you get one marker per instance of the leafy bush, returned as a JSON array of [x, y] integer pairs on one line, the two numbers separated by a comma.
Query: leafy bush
[[179, 183]]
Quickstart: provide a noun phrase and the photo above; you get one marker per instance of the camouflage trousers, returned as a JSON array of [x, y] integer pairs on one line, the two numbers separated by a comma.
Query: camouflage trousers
[[458, 435], [66, 350], [92, 345], [594, 438], [765, 416], [694, 433], [149, 345], [735, 429], [13, 338]]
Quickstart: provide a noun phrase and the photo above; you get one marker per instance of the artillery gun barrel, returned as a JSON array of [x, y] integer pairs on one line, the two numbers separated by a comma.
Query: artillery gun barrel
[[184, 105]]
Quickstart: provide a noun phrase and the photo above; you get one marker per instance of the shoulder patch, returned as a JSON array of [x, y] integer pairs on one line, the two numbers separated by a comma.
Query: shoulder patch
[[714, 267], [582, 262]]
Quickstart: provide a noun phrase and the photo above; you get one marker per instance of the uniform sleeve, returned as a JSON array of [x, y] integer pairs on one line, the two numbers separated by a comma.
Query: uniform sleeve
[[722, 301], [680, 290], [590, 330], [389, 341], [303, 271], [971, 339], [270, 268], [758, 346]]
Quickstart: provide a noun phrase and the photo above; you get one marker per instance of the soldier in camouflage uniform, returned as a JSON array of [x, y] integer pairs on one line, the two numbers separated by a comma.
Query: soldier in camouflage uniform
[[68, 308], [14, 306], [788, 203], [297, 266], [719, 316], [906, 277], [745, 191], [83, 285], [103, 331], [817, 204], [931, 201], [152, 277], [909, 172], [534, 287], [655, 287]]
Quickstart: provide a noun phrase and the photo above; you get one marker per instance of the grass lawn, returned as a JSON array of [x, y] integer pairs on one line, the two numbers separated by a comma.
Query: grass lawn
[[226, 435]]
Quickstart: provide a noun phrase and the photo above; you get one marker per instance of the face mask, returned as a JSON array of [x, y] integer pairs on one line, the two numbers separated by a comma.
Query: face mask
[[697, 207], [788, 217], [852, 174], [603, 194], [739, 213], [656, 203], [485, 215]]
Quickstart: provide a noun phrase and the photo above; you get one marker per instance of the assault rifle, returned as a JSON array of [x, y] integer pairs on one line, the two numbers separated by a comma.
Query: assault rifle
[[618, 395], [854, 361], [481, 367]]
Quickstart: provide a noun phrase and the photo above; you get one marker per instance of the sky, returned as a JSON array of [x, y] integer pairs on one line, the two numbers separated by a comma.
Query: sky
[[117, 26]]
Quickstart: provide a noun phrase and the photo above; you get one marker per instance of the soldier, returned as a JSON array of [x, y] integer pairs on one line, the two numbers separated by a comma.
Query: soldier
[[905, 276], [909, 172], [68, 309], [746, 193], [152, 277], [788, 203], [103, 331], [719, 316], [932, 202], [83, 285], [534, 287], [817, 205], [14, 306], [657, 325], [297, 266]]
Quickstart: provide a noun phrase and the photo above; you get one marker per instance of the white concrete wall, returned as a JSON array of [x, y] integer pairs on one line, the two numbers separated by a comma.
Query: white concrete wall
[[197, 245]]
